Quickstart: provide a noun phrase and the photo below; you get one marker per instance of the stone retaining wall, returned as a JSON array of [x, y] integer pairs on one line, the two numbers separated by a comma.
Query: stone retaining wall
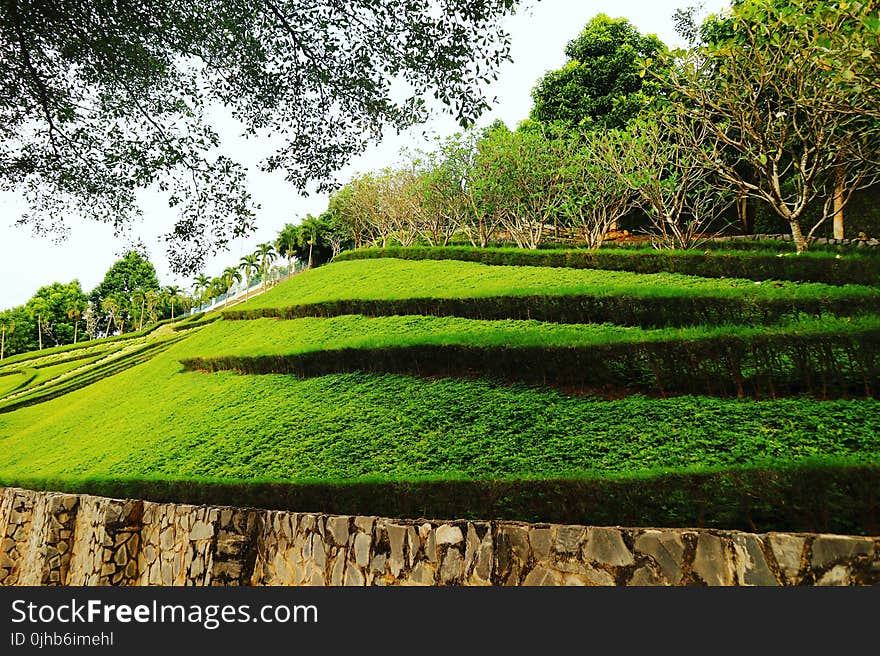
[[822, 241], [49, 538]]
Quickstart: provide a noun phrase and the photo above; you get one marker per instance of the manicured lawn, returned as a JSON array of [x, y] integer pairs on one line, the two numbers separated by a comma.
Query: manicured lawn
[[391, 278], [152, 420], [142, 421]]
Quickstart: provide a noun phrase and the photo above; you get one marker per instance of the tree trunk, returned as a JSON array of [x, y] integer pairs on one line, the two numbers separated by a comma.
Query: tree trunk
[[141, 323], [310, 254], [3, 344], [800, 243], [172, 310], [838, 204], [75, 327], [40, 331], [109, 323], [746, 220]]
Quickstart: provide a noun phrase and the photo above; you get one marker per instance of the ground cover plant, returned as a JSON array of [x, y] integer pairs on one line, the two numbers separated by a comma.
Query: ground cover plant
[[825, 357], [138, 424], [370, 430], [466, 289]]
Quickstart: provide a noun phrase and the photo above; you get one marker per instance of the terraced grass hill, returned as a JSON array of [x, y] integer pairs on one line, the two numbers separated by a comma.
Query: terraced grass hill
[[397, 386]]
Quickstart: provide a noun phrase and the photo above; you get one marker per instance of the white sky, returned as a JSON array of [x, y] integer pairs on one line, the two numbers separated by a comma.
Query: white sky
[[539, 32]]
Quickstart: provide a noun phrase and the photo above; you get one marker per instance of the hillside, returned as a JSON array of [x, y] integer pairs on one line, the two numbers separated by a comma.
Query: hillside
[[528, 392]]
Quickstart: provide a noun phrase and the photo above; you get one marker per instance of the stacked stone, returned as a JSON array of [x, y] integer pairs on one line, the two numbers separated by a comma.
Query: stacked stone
[[48, 551], [235, 549], [56, 539], [16, 513]]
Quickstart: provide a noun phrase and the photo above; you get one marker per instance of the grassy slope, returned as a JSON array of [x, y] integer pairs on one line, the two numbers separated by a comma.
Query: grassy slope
[[155, 422], [168, 424], [395, 279]]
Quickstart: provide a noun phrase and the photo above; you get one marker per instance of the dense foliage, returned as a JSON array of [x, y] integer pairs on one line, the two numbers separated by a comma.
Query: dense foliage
[[603, 82], [102, 99]]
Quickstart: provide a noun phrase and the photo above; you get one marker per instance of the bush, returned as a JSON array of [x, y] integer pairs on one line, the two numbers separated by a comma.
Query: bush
[[807, 498], [624, 310], [779, 362], [817, 267]]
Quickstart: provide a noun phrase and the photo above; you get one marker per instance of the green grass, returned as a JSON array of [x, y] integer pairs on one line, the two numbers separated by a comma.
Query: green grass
[[101, 368], [47, 373], [156, 421], [12, 381], [390, 279], [49, 357]]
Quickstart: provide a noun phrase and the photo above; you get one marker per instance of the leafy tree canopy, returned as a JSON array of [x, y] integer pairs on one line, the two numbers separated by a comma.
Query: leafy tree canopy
[[132, 272], [100, 99], [603, 83]]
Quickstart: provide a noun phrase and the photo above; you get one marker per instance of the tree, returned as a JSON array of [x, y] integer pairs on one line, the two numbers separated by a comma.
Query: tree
[[519, 175], [7, 325], [200, 286], [138, 302], [334, 233], [151, 300], [131, 272], [765, 95], [672, 186], [173, 292], [38, 308], [453, 190], [265, 255], [102, 99], [286, 244], [113, 306], [603, 83], [230, 276], [595, 197], [248, 264], [76, 305]]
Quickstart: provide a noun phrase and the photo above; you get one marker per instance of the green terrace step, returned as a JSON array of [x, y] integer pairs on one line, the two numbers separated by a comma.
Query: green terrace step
[[823, 358], [464, 289]]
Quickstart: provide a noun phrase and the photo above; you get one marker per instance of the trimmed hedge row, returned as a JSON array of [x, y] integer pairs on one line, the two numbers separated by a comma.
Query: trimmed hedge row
[[623, 310], [32, 355], [832, 498], [851, 269], [729, 365], [104, 370]]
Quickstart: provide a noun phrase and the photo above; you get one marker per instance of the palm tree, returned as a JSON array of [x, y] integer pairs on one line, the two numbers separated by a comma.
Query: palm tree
[[201, 285], [309, 229], [38, 308], [151, 299], [112, 307], [266, 255], [230, 276], [75, 308], [173, 292], [139, 298], [248, 264], [287, 242], [7, 325]]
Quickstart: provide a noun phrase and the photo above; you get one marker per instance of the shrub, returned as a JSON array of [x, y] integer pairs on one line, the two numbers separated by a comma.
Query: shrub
[[823, 268]]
